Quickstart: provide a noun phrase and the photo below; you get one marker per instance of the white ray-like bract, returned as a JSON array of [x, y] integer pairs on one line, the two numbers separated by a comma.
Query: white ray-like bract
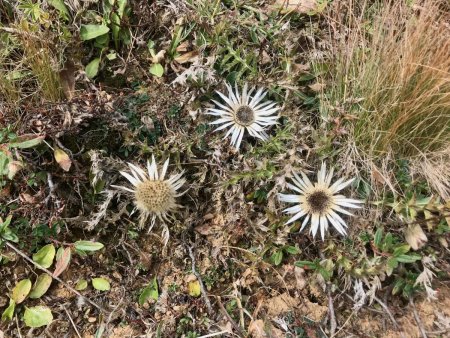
[[319, 203], [154, 194], [244, 112]]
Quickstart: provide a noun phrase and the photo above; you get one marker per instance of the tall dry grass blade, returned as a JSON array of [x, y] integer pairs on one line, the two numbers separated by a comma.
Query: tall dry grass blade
[[391, 69]]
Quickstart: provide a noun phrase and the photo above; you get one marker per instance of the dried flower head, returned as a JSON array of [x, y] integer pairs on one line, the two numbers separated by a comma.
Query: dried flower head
[[318, 202], [415, 236], [154, 195], [244, 113]]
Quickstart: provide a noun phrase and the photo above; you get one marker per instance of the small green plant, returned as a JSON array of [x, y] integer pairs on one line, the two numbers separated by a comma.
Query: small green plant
[[10, 160], [6, 234], [113, 26], [279, 253], [43, 258], [266, 171]]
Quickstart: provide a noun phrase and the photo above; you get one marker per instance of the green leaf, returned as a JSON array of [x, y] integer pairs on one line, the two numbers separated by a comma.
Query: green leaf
[[150, 291], [9, 311], [5, 224], [378, 237], [26, 143], [10, 236], [101, 284], [409, 258], [81, 285], [41, 286], [398, 286], [293, 250], [21, 291], [400, 250], [325, 273], [37, 316], [307, 264], [392, 263], [157, 70], [61, 7], [277, 257], [88, 245], [116, 19], [45, 256], [92, 68], [89, 32]]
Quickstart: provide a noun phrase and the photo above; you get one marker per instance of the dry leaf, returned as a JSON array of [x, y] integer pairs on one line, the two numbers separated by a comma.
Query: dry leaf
[[67, 77], [159, 56], [13, 168], [63, 159], [317, 87], [187, 57], [62, 262], [182, 47], [300, 6], [280, 304], [261, 329]]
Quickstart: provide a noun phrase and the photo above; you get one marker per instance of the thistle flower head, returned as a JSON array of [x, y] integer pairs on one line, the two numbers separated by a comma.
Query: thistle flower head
[[318, 202], [153, 195], [246, 112]]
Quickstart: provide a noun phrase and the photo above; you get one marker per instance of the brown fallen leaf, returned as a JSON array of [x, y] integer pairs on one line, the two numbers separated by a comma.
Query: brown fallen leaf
[[62, 262], [300, 6], [187, 57], [261, 329], [67, 78]]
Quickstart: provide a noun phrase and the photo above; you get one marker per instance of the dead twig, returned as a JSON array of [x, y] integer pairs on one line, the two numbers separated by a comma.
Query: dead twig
[[72, 322], [389, 313], [200, 281], [333, 323], [228, 317], [417, 318], [48, 272], [18, 327]]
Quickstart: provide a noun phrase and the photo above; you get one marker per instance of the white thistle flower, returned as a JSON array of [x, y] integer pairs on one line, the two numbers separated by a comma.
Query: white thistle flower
[[318, 202], [244, 112], [154, 196]]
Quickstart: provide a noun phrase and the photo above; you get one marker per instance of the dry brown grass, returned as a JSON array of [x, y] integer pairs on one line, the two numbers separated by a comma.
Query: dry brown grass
[[391, 65], [39, 58], [31, 57]]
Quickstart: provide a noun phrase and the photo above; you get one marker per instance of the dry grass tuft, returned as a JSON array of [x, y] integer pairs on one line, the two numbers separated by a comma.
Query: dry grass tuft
[[38, 57], [390, 69]]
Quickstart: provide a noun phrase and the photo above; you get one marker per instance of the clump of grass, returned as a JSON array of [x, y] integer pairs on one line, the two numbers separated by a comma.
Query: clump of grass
[[390, 69], [39, 58]]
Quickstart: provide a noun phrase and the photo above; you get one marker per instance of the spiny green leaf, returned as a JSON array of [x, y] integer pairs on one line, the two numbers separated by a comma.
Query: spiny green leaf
[[277, 257], [400, 250], [378, 237], [411, 258]]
